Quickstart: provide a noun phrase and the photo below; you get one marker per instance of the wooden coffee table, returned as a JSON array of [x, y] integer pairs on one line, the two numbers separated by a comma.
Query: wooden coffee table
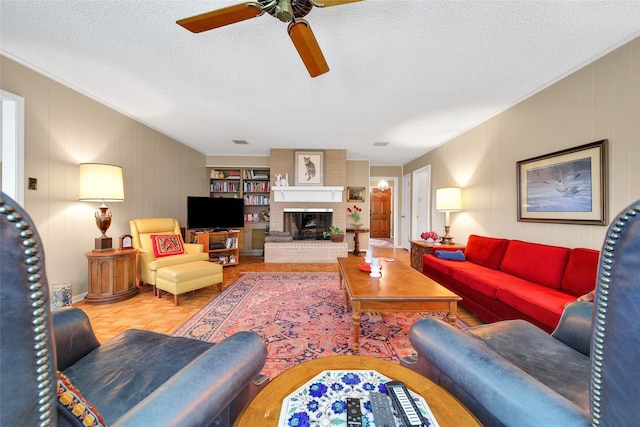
[[264, 409], [401, 288]]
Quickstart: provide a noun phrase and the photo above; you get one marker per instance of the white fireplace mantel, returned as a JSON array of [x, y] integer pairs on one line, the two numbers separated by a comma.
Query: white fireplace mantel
[[307, 194]]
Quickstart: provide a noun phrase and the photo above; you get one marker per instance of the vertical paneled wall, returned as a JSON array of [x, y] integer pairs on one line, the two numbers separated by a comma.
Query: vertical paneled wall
[[600, 101], [64, 128]]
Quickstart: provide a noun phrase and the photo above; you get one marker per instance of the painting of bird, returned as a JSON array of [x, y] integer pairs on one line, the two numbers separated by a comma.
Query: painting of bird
[[563, 187]]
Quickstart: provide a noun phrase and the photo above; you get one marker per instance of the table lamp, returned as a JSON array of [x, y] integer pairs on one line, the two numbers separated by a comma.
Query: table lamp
[[448, 200], [101, 183]]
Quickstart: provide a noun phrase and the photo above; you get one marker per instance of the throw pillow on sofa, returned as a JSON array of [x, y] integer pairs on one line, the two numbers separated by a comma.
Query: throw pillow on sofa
[[451, 255], [485, 251], [74, 407]]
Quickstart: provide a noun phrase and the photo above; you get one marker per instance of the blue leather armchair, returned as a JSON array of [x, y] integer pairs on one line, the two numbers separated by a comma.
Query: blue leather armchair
[[512, 373], [139, 378]]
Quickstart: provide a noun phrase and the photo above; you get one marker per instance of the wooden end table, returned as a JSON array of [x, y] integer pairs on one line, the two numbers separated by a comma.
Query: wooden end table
[[264, 409], [112, 276], [420, 247]]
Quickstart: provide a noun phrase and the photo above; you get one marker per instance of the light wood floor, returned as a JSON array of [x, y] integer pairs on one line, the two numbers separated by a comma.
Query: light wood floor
[[160, 314]]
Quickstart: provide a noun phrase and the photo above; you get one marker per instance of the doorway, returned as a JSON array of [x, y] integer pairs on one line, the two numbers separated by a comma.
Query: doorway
[[406, 216], [380, 224], [383, 208], [420, 202], [12, 145]]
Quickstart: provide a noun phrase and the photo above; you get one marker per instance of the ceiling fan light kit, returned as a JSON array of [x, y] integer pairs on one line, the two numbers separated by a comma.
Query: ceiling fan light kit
[[286, 11], [285, 14]]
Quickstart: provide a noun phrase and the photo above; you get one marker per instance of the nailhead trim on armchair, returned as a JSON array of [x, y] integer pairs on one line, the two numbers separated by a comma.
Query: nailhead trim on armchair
[[41, 334]]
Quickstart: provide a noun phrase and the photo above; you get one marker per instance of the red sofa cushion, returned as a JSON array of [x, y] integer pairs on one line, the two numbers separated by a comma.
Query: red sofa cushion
[[441, 265], [485, 251], [580, 275], [535, 262], [482, 279], [540, 302]]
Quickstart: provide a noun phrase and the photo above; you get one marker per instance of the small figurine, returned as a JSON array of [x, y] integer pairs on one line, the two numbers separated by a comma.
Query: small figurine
[[282, 182]]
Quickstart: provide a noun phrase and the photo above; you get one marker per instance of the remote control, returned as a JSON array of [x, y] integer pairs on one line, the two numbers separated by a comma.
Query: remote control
[[404, 405], [354, 413], [382, 410]]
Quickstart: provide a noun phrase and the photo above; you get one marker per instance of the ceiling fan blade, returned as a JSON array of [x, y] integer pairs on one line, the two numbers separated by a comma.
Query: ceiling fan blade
[[307, 47], [221, 17], [329, 3]]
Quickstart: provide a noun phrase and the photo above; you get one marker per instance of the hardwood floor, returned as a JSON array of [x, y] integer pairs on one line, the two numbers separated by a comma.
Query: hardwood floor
[[143, 311]]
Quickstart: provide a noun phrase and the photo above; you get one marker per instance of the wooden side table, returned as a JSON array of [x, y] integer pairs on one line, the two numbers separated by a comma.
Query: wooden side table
[[420, 247], [356, 242], [112, 276]]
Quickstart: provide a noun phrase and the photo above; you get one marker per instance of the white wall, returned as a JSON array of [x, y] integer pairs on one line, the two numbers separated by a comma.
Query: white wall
[[600, 101]]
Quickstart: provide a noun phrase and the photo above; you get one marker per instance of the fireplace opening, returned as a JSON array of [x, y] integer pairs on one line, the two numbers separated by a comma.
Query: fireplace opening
[[307, 223]]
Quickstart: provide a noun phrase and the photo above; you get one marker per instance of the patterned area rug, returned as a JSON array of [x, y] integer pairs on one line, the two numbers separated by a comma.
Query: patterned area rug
[[301, 316]]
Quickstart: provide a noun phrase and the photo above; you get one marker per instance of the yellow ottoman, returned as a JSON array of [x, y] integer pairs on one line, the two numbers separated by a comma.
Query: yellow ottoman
[[181, 278]]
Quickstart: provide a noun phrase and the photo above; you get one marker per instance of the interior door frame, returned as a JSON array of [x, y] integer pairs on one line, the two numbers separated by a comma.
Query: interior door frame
[[394, 205], [12, 145], [406, 212], [420, 207]]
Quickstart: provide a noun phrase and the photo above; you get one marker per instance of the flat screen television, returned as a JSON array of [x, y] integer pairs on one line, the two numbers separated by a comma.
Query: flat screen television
[[214, 213]]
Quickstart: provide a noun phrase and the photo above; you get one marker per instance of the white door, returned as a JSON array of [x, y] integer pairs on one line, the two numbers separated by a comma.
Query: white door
[[406, 212], [420, 198]]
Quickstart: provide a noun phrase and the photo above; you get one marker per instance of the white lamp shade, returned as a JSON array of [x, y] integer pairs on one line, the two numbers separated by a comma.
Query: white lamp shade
[[448, 199], [100, 183]]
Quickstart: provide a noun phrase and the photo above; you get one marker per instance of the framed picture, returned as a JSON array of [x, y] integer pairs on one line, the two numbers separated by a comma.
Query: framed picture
[[309, 167], [355, 194], [568, 186]]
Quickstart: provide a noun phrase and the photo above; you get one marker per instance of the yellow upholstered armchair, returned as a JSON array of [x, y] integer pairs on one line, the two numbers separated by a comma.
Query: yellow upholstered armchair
[[148, 264]]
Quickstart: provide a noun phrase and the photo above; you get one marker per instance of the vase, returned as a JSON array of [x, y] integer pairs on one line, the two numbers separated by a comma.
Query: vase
[[356, 224]]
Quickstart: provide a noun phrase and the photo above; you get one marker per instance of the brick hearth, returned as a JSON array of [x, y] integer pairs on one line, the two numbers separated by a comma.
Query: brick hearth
[[298, 251]]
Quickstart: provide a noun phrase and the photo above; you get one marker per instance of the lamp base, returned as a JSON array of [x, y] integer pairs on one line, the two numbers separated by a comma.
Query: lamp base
[[447, 239], [103, 244]]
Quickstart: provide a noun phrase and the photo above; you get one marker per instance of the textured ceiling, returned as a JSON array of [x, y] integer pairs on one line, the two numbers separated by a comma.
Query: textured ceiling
[[413, 73]]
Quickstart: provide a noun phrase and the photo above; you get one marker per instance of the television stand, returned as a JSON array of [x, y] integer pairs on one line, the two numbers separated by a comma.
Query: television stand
[[222, 246]]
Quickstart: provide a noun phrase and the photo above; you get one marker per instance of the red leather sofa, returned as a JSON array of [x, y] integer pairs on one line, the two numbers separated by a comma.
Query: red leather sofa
[[512, 279]]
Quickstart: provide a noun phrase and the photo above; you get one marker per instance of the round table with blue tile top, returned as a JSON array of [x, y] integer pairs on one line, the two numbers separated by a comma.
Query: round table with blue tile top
[[265, 408]]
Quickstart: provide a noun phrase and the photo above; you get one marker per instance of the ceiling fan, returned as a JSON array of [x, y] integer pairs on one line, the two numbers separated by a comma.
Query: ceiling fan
[[291, 11]]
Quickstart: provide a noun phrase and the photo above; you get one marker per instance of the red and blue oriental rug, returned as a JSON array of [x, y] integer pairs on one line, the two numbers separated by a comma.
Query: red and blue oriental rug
[[300, 316]]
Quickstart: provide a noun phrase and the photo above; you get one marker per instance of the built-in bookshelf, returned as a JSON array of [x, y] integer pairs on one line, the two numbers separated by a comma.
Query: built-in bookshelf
[[251, 184]]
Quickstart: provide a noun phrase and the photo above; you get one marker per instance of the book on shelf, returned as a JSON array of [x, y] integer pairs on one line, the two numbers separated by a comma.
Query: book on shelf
[[231, 242], [256, 199], [225, 187], [256, 174], [256, 187]]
